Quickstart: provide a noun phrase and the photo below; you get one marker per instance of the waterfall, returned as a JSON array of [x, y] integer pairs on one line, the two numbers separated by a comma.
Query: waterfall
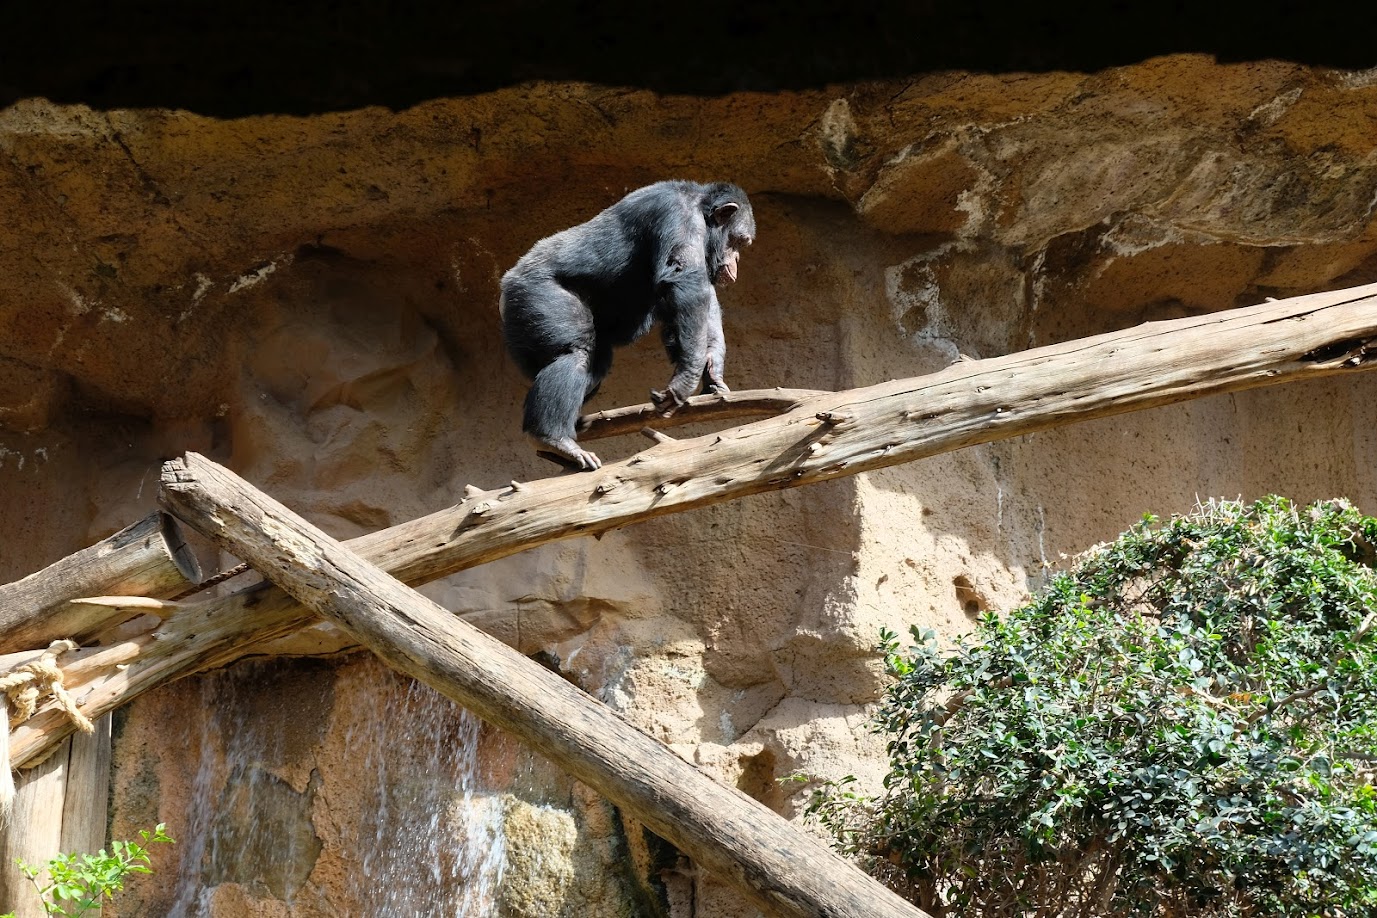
[[397, 823]]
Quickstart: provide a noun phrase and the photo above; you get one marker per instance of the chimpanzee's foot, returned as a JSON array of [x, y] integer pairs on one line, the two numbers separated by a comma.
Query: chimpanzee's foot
[[712, 379], [567, 453], [666, 401]]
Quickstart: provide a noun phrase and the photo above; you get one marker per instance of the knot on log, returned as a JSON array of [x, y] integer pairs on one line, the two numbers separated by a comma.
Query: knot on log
[[26, 684]]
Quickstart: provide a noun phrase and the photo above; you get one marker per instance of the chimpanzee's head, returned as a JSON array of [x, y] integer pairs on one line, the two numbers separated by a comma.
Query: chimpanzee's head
[[731, 227]]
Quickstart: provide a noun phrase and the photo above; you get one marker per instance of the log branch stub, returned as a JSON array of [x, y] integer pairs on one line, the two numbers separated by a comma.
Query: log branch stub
[[655, 436], [779, 868]]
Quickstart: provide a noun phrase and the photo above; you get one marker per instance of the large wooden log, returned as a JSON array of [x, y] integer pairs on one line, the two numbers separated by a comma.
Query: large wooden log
[[779, 868], [823, 437], [149, 558]]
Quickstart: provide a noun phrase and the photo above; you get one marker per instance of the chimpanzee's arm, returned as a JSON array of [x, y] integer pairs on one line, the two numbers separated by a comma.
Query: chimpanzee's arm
[[689, 312], [713, 380]]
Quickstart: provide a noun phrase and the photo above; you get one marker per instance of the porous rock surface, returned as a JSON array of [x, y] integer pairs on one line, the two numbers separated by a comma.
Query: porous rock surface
[[312, 300]]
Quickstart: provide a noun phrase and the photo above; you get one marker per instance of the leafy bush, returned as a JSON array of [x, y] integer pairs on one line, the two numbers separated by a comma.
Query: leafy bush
[[77, 884], [1183, 724]]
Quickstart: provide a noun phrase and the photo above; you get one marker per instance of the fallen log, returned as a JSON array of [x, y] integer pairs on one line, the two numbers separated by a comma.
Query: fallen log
[[777, 867], [149, 558], [822, 437]]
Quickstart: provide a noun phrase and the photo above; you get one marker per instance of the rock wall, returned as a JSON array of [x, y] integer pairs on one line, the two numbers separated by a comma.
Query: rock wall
[[312, 300]]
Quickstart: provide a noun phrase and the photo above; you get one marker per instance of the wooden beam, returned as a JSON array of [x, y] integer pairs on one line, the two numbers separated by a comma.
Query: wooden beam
[[34, 833], [149, 558], [86, 798], [823, 437], [780, 869]]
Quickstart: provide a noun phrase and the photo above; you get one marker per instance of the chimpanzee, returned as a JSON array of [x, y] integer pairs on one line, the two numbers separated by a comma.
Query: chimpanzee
[[655, 254]]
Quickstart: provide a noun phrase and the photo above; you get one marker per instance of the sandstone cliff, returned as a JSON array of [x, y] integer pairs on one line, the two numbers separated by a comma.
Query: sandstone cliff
[[312, 299]]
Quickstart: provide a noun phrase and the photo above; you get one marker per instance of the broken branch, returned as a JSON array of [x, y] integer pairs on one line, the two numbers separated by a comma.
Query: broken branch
[[614, 422]]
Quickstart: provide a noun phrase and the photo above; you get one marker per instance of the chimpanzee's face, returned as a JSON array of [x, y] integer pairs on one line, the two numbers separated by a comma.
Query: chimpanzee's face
[[739, 227]]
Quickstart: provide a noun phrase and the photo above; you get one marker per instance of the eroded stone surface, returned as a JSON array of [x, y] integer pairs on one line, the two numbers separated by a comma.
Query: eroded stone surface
[[313, 301]]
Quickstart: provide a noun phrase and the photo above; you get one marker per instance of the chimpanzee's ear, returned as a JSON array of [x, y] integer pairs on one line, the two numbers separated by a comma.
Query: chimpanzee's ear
[[723, 212]]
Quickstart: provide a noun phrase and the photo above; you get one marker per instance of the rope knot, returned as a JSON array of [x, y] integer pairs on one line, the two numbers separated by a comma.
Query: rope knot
[[25, 685], [22, 688]]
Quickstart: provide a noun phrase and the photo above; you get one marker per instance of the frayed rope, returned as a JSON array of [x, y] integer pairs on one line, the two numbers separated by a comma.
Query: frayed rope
[[23, 687]]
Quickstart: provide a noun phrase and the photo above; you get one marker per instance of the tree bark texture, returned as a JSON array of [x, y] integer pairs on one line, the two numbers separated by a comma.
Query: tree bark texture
[[34, 833]]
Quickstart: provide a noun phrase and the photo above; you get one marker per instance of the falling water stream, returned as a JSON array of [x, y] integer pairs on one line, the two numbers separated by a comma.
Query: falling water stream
[[414, 832]]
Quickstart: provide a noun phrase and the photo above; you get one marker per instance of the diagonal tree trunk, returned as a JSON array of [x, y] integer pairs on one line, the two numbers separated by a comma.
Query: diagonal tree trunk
[[779, 868], [821, 437]]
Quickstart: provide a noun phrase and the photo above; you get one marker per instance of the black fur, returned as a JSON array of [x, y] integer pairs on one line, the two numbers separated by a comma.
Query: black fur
[[654, 255]]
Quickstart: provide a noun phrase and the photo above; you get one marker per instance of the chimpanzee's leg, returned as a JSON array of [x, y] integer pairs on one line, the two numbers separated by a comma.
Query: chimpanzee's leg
[[552, 408], [550, 333], [598, 368], [717, 351]]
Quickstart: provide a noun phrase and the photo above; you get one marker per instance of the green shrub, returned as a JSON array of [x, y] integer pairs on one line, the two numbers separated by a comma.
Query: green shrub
[[1184, 724], [77, 884]]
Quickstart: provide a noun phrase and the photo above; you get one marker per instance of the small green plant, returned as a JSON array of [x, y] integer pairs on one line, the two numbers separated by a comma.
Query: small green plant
[[1183, 724], [77, 884]]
